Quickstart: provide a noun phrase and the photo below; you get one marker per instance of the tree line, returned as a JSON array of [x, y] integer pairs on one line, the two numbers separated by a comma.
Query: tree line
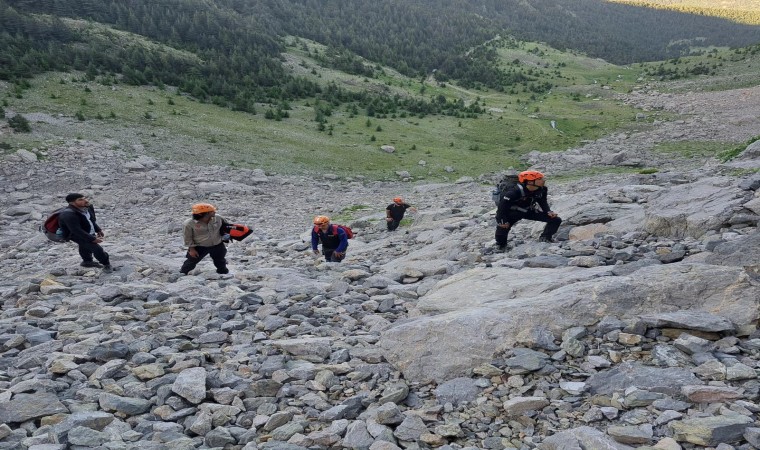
[[229, 51]]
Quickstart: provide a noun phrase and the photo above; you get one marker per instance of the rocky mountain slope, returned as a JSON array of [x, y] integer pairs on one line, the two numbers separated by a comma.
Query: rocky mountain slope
[[638, 328]]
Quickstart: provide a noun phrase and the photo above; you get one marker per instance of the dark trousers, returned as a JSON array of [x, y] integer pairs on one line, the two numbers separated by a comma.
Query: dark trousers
[[217, 253], [89, 249], [330, 255], [393, 224], [514, 216]]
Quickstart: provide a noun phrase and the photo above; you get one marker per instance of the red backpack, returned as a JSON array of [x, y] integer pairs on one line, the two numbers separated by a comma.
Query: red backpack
[[346, 228]]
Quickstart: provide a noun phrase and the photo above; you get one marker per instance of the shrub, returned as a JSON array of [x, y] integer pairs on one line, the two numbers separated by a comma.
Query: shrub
[[19, 124]]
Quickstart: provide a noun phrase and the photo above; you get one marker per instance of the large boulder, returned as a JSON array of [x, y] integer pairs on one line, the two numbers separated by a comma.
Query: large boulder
[[743, 251], [692, 209], [484, 311]]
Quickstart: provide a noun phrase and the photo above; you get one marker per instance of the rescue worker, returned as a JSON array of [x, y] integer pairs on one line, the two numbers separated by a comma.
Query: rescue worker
[[394, 213], [333, 238], [526, 200], [203, 236]]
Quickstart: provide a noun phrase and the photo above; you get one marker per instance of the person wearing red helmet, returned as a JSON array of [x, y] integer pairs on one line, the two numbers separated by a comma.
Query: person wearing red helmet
[[395, 212], [333, 238], [202, 236], [526, 200]]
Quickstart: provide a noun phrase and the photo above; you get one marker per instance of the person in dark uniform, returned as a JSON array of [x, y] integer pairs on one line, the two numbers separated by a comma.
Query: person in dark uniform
[[395, 212], [526, 200], [77, 222]]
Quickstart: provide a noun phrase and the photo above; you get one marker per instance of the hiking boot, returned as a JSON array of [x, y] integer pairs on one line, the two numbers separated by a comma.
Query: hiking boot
[[223, 271], [108, 268], [545, 239], [90, 264]]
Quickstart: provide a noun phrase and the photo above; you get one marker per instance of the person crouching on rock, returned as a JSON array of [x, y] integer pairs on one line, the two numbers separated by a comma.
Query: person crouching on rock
[[520, 202], [202, 235], [333, 238]]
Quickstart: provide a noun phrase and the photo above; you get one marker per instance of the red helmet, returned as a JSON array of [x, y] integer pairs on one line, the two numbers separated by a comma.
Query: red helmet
[[529, 175], [200, 208]]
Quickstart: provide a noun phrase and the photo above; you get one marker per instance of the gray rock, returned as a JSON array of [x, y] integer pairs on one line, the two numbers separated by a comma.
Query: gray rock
[[692, 344], [286, 431], [711, 431], [24, 407], [388, 414], [690, 320], [394, 393], [191, 384], [277, 420], [631, 374], [357, 436], [581, 438], [86, 437], [127, 405], [710, 394], [457, 391], [518, 405], [410, 429]]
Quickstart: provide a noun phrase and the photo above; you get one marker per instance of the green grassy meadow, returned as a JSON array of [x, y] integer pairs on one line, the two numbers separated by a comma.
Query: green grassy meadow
[[582, 105]]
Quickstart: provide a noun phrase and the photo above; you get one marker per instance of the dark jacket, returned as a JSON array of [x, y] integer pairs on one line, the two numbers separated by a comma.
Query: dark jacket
[[75, 225], [397, 210], [335, 238], [521, 200]]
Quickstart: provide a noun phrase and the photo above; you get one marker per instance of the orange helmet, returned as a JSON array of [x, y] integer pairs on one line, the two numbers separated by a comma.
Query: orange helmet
[[398, 200], [200, 208], [319, 220], [529, 175]]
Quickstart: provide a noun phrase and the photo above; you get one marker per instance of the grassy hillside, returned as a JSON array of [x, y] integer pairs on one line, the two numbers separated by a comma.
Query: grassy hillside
[[581, 106]]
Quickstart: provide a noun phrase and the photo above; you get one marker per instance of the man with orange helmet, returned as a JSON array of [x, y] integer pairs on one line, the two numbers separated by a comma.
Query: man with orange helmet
[[333, 238], [202, 235], [520, 202], [395, 212]]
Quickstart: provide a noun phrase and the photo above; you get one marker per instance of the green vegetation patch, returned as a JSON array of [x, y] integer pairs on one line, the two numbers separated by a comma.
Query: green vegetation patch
[[732, 152], [695, 149], [706, 69], [347, 143]]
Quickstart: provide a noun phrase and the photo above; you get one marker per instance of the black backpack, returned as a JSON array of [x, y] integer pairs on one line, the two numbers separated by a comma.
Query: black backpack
[[51, 227], [507, 182]]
